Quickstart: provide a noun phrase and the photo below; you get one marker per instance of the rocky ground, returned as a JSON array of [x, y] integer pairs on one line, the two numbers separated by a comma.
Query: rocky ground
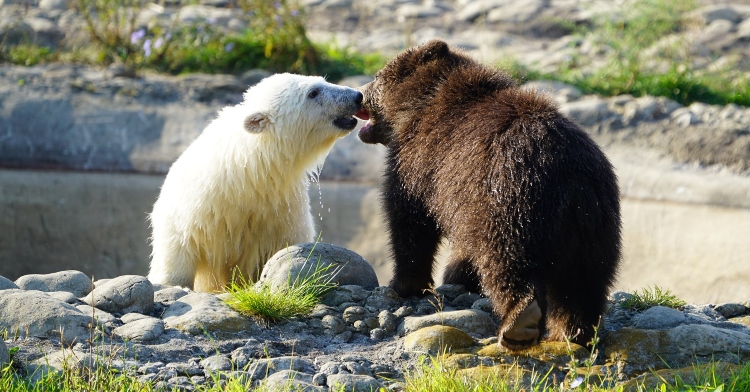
[[361, 336], [63, 116]]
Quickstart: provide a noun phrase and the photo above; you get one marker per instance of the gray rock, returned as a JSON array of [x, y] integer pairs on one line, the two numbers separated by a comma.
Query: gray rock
[[333, 324], [377, 334], [74, 282], [353, 383], [50, 316], [297, 262], [415, 11], [731, 309], [353, 313], [291, 380], [58, 361], [188, 369], [382, 298], [130, 317], [6, 284], [474, 9], [648, 109], [450, 291], [319, 379], [587, 111], [343, 337], [403, 311], [659, 317], [216, 363], [636, 350], [469, 320], [387, 321], [124, 294], [517, 12], [150, 367], [483, 304], [262, 368], [53, 5], [101, 317], [198, 313], [684, 117], [344, 294], [169, 294], [64, 296], [4, 355], [46, 32], [466, 300], [142, 330]]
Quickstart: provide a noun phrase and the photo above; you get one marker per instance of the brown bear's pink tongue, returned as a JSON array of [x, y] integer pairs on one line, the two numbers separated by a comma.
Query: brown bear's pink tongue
[[363, 114]]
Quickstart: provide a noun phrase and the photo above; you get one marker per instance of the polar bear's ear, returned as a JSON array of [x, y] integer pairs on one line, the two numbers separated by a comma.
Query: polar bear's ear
[[256, 122]]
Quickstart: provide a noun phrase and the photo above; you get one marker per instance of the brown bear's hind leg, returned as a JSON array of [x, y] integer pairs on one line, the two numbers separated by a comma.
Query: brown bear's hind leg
[[525, 330], [460, 271]]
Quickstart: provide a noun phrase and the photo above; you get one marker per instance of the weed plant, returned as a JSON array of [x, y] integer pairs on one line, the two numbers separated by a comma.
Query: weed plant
[[274, 39], [269, 304], [650, 297]]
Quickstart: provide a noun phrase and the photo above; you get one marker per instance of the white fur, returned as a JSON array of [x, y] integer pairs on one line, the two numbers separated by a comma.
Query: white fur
[[235, 197]]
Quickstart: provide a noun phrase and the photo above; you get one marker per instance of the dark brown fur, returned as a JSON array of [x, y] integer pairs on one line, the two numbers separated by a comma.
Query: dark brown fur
[[528, 200]]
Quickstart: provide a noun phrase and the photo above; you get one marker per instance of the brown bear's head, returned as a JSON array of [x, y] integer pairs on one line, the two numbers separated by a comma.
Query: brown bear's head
[[405, 86], [402, 86]]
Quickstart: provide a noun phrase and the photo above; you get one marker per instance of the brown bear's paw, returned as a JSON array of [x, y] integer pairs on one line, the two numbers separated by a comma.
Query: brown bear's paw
[[407, 289], [525, 332]]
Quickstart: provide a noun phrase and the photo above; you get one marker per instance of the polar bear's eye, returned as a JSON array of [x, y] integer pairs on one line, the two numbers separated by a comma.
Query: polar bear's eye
[[313, 93]]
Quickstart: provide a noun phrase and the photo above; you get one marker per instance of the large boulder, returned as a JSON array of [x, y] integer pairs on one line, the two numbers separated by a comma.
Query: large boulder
[[298, 262], [124, 294], [34, 313], [74, 282]]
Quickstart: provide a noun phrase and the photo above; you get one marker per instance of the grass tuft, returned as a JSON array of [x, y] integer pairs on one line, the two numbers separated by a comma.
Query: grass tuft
[[272, 305], [650, 297]]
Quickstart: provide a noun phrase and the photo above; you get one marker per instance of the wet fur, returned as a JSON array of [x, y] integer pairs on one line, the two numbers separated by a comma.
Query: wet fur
[[527, 199], [239, 192]]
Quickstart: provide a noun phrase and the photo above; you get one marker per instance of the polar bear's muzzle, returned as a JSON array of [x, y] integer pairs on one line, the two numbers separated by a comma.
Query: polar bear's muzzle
[[347, 121]]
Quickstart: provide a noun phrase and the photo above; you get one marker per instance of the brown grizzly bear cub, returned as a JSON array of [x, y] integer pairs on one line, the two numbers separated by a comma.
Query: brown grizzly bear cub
[[528, 200]]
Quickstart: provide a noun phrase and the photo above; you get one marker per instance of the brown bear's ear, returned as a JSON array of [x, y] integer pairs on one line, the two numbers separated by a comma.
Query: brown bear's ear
[[256, 122], [433, 50]]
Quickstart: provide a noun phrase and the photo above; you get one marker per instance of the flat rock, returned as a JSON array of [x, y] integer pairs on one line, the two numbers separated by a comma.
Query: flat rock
[[262, 368], [587, 111], [353, 382], [143, 330], [437, 339], [74, 282], [169, 294], [297, 262], [290, 380], [659, 317], [468, 320], [124, 294], [198, 313], [48, 318], [637, 350]]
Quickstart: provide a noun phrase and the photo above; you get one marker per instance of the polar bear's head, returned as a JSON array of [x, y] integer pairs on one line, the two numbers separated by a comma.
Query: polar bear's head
[[301, 107]]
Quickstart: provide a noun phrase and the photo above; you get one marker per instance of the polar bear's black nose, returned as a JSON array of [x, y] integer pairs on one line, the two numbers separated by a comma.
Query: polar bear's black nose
[[358, 99]]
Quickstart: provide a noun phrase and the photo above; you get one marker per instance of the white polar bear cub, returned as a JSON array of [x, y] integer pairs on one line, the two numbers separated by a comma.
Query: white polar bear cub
[[239, 192]]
